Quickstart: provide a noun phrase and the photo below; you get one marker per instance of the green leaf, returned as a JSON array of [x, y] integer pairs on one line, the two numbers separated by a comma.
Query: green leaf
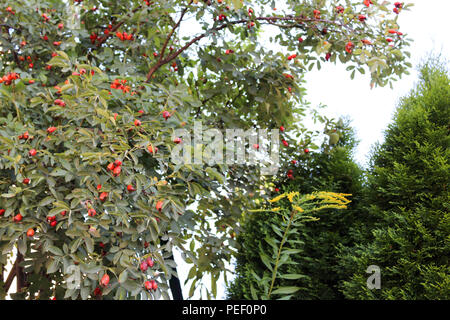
[[55, 250], [293, 276], [123, 276], [286, 290]]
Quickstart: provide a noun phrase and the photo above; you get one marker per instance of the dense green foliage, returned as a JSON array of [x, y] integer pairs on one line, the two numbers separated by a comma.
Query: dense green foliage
[[398, 220], [330, 170], [85, 83], [409, 198]]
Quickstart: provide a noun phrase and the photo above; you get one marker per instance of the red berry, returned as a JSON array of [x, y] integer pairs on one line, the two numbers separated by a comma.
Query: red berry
[[30, 232], [51, 129], [148, 285], [99, 186], [285, 143], [97, 291], [103, 196], [150, 149], [150, 262], [130, 188], [104, 280], [154, 285], [137, 123], [282, 129], [2, 212], [117, 163], [166, 114], [18, 217], [116, 171], [53, 223], [26, 181], [349, 47], [32, 152], [63, 213], [177, 140], [306, 150], [159, 205], [111, 166], [92, 212], [143, 266]]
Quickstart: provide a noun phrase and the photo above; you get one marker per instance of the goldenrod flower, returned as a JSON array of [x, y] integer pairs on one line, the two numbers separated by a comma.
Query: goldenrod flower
[[278, 198]]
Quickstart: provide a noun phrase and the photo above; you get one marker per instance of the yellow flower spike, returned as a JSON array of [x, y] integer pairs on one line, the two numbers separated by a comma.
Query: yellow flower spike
[[291, 195], [298, 208], [278, 198], [276, 209]]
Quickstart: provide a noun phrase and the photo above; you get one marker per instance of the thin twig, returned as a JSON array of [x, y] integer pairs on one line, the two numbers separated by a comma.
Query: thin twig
[[162, 61]]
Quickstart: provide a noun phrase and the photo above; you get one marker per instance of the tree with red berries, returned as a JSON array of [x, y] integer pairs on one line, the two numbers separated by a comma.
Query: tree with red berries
[[90, 96]]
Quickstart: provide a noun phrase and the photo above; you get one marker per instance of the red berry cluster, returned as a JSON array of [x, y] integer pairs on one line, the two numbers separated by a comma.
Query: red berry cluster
[[24, 136], [340, 9], [316, 14], [124, 36], [120, 85], [398, 6], [93, 37], [107, 30], [52, 221], [290, 174], [151, 285], [60, 103], [115, 167], [8, 78], [145, 264], [292, 56]]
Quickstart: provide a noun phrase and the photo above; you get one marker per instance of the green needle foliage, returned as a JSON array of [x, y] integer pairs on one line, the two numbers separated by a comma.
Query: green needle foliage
[[409, 199]]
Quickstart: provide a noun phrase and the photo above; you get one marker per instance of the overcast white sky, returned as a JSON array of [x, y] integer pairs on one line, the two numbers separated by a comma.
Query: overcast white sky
[[371, 110]]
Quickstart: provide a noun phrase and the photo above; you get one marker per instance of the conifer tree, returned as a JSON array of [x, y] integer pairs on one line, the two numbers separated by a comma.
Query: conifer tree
[[409, 198]]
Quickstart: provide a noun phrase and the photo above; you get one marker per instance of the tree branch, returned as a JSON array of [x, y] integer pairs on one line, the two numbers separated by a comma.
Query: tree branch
[[10, 278], [173, 30], [115, 27], [162, 61]]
